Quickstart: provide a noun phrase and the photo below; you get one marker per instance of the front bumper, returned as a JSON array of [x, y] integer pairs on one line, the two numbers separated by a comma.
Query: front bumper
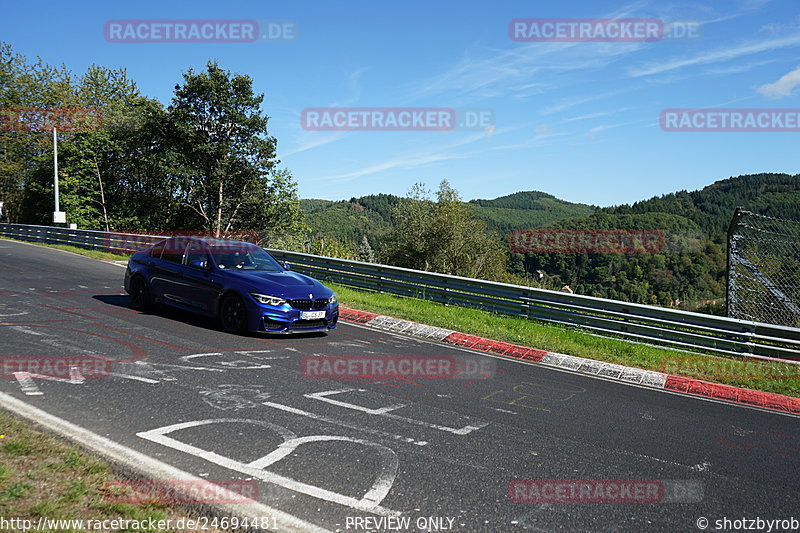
[[288, 320]]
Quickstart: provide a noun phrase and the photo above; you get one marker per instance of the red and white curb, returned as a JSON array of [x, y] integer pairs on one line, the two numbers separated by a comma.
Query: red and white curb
[[649, 378]]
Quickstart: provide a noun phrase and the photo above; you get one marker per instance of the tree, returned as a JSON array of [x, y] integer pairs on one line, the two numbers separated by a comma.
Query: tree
[[26, 153], [96, 159], [443, 236], [226, 170], [365, 251]]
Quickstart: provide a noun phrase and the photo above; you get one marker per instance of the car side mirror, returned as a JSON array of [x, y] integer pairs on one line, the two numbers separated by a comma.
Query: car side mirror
[[199, 263], [286, 265]]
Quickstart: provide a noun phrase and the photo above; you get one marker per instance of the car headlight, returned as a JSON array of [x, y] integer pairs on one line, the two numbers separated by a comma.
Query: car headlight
[[333, 300], [267, 299]]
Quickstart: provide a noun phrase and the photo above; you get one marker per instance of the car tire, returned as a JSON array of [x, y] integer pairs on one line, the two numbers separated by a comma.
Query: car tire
[[140, 294], [233, 314]]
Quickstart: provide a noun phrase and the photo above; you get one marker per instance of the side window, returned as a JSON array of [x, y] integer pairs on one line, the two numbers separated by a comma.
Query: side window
[[173, 251], [195, 252], [157, 250]]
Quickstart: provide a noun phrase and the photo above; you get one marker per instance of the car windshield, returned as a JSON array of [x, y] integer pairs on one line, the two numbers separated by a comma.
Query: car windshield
[[243, 257]]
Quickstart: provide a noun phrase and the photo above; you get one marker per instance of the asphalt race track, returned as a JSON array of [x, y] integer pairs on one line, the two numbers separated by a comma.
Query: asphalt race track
[[442, 448]]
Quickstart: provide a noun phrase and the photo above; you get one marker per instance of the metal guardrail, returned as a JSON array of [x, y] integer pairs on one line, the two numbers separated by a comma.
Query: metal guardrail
[[637, 322]]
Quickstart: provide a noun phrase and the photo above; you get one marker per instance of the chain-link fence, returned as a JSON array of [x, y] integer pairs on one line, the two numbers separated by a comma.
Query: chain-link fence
[[764, 269]]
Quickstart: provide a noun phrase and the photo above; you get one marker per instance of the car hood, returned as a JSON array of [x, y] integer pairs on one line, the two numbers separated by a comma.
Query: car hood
[[286, 284]]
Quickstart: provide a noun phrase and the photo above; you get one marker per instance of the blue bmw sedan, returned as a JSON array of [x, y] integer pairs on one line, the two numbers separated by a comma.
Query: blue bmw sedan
[[236, 282]]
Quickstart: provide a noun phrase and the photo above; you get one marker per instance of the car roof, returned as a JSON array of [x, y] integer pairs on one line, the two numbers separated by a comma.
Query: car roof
[[210, 241]]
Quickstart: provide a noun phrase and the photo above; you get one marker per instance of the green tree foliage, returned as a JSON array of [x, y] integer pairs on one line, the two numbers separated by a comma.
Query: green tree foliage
[[688, 267], [373, 215], [526, 210], [227, 170], [207, 163], [443, 236], [365, 251], [776, 195], [311, 243], [26, 157]]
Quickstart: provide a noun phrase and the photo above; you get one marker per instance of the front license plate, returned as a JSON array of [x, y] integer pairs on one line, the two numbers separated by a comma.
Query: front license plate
[[312, 315]]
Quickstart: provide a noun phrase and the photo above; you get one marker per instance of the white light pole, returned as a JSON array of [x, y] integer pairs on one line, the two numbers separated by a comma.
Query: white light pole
[[59, 217]]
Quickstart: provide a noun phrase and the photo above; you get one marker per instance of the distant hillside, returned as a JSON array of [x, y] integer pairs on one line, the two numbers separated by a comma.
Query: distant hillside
[[527, 210], [689, 272], [372, 215], [347, 221], [776, 195], [535, 200], [692, 266], [710, 209]]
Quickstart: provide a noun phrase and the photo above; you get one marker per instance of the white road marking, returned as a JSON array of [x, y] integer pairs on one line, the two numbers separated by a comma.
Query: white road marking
[[369, 502], [14, 314], [149, 468], [29, 387], [136, 378], [337, 422], [182, 367], [385, 412], [237, 364], [26, 329]]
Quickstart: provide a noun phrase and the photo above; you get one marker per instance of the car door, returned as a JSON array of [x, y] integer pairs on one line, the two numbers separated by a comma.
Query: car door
[[166, 273], [198, 288]]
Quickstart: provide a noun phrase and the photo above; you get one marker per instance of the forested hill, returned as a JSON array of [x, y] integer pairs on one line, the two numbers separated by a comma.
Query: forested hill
[[372, 215], [710, 208], [775, 195], [526, 210], [690, 272]]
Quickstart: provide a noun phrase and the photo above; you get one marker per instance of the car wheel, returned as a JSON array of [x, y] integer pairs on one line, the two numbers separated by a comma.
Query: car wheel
[[140, 294], [233, 314]]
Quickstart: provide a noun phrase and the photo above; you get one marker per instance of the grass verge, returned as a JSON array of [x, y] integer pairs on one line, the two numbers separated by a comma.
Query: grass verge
[[779, 378], [42, 476]]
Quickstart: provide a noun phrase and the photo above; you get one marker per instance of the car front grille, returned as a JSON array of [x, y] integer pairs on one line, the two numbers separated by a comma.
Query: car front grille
[[302, 324], [304, 304]]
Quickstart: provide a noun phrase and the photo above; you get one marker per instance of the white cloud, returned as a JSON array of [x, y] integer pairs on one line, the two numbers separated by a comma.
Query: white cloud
[[401, 163], [411, 161], [313, 141], [715, 56], [782, 87], [526, 64]]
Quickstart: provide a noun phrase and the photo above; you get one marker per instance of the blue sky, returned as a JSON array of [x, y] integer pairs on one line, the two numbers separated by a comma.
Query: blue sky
[[579, 120]]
